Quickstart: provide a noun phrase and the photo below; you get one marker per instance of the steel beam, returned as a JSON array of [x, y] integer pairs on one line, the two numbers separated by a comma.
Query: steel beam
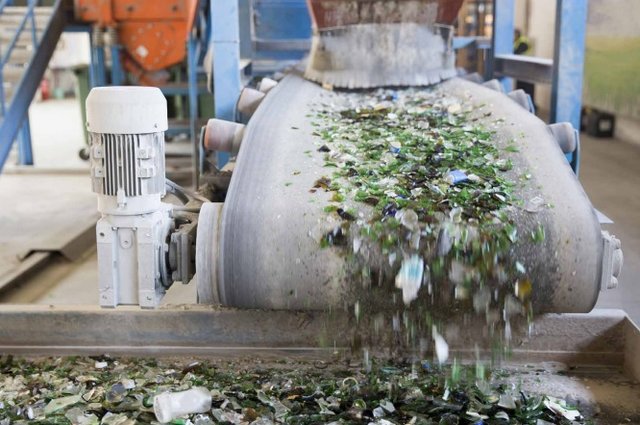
[[117, 74], [192, 77], [301, 45], [25, 151], [603, 337], [503, 30], [568, 60], [225, 42], [171, 329], [524, 68], [245, 14], [98, 76]]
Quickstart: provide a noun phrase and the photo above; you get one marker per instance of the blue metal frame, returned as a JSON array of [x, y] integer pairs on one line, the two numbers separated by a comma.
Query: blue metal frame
[[15, 114], [117, 73], [98, 66], [279, 29], [567, 67], [225, 43], [192, 78], [98, 75], [568, 61], [25, 151], [503, 29]]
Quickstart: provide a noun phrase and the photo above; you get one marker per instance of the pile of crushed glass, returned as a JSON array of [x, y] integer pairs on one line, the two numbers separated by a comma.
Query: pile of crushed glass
[[127, 391]]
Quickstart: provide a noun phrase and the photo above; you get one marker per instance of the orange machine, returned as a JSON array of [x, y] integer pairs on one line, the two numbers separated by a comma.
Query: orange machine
[[152, 33]]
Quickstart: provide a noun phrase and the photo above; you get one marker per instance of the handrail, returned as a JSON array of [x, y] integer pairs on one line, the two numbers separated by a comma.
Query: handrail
[[3, 107], [3, 3], [30, 12], [29, 16], [34, 36], [48, 35]]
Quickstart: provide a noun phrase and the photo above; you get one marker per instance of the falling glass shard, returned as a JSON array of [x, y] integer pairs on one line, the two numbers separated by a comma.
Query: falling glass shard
[[409, 219], [442, 348], [534, 204], [409, 278]]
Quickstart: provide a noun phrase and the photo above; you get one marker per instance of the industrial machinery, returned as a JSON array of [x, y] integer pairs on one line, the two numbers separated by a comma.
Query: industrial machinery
[[142, 245], [405, 42], [152, 34], [263, 238], [260, 247], [250, 236]]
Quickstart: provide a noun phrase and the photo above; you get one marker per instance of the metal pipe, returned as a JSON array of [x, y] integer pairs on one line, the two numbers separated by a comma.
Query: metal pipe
[[223, 136], [249, 101]]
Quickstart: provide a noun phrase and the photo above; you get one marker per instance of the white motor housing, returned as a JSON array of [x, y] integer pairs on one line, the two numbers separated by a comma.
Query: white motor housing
[[126, 129]]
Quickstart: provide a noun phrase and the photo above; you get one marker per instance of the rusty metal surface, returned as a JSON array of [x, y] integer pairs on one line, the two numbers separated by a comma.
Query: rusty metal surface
[[334, 13], [376, 43]]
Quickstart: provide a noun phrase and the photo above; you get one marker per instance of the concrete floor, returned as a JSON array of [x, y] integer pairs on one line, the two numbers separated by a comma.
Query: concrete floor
[[609, 173], [57, 142]]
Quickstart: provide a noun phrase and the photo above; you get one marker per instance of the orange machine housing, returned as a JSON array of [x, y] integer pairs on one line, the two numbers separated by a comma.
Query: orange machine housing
[[153, 33]]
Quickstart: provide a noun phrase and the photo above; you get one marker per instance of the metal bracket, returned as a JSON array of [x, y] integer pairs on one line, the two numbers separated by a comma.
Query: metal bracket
[[182, 250], [612, 260]]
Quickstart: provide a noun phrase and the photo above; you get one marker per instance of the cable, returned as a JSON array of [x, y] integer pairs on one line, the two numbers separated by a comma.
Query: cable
[[182, 193]]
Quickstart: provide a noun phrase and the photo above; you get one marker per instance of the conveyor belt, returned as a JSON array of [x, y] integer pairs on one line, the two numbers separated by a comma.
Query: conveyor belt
[[270, 223]]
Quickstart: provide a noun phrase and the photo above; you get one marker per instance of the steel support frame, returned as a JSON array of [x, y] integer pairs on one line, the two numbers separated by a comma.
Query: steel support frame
[[568, 61], [117, 73], [225, 44], [192, 78], [567, 68], [503, 30], [25, 150], [603, 338], [98, 65], [245, 15]]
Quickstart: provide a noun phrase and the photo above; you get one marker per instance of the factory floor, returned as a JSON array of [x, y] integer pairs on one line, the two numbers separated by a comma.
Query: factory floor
[[609, 174]]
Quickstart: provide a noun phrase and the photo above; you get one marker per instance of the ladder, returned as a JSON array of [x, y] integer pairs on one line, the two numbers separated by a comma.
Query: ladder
[[29, 32]]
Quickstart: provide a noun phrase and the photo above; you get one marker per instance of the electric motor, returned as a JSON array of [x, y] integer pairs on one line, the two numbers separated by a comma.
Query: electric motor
[[126, 129]]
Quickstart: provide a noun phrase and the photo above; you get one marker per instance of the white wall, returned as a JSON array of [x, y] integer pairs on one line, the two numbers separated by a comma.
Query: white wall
[[73, 49]]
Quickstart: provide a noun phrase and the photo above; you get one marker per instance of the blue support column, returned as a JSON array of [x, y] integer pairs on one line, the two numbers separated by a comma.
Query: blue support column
[[246, 30], [117, 74], [98, 62], [568, 61], [25, 152], [568, 67], [503, 29], [97, 58], [93, 78], [225, 42], [192, 77]]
